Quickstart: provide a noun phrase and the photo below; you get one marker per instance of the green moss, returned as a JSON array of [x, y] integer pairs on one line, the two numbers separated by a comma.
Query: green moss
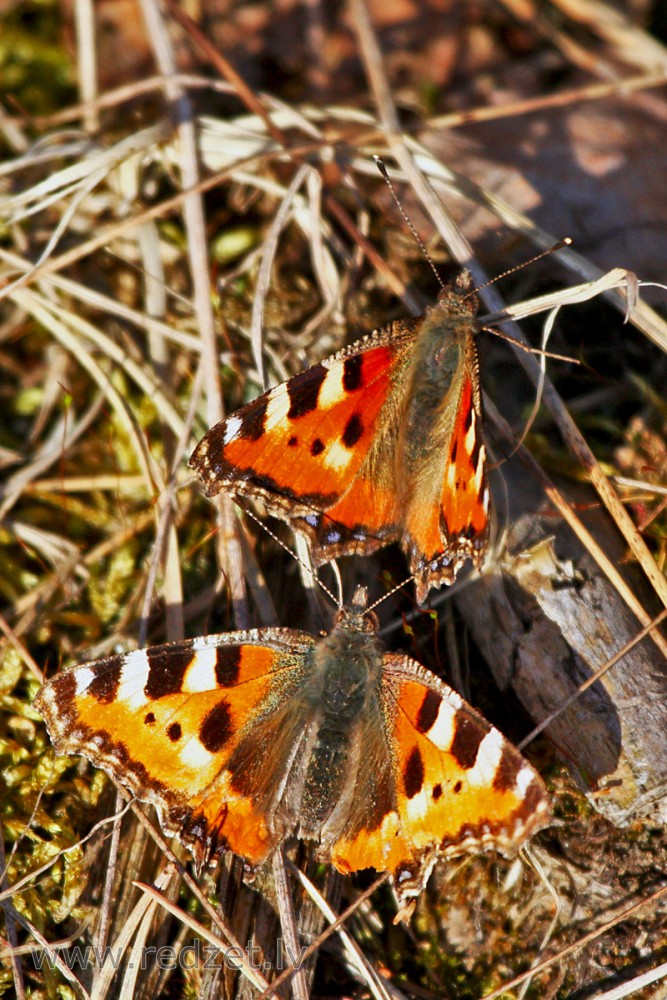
[[36, 71]]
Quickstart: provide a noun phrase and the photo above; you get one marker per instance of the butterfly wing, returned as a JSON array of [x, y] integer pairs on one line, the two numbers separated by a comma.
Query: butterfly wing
[[457, 784], [445, 499], [320, 449], [173, 723]]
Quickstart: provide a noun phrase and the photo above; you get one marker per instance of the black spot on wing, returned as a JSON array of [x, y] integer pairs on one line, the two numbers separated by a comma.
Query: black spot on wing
[[166, 669], [437, 792], [428, 711], [352, 373], [474, 454], [104, 686], [468, 735], [227, 665], [317, 447], [293, 441], [468, 420], [413, 773], [63, 688], [509, 766], [149, 719], [533, 798], [174, 732], [216, 728], [304, 390], [253, 418], [354, 428]]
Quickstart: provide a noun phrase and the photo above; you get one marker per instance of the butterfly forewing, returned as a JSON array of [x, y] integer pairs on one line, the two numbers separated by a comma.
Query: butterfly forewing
[[300, 446], [475, 787], [165, 721]]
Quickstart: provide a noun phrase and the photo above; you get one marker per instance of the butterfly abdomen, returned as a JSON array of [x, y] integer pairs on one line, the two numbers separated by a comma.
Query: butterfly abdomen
[[325, 777], [347, 669]]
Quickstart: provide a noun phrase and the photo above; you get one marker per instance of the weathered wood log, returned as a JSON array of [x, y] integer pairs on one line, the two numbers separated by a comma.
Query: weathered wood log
[[546, 618]]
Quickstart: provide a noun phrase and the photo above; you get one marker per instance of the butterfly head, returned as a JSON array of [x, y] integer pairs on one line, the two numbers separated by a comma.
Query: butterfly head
[[459, 299], [355, 617]]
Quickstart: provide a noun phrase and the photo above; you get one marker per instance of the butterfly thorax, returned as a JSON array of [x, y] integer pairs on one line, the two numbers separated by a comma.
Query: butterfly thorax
[[347, 667], [436, 375]]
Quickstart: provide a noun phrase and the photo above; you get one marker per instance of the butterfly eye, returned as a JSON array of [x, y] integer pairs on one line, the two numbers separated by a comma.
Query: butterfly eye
[[371, 622]]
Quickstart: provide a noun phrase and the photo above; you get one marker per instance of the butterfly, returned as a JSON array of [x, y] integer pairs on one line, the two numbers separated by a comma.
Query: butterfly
[[378, 443], [247, 739]]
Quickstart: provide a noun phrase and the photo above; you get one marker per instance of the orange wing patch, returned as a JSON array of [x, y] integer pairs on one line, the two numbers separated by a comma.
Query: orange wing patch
[[464, 489], [299, 445], [385, 849], [360, 522], [166, 722]]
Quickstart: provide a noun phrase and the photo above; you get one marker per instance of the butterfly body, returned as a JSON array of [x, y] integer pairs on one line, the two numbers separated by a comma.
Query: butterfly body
[[378, 443], [247, 739]]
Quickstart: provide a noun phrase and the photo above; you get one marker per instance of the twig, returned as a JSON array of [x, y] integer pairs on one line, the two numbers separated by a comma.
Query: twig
[[229, 551], [264, 276], [581, 532], [86, 50], [288, 924]]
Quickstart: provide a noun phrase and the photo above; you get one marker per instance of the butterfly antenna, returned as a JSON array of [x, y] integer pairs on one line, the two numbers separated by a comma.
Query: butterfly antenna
[[379, 163], [293, 554], [339, 582], [389, 593], [565, 242]]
